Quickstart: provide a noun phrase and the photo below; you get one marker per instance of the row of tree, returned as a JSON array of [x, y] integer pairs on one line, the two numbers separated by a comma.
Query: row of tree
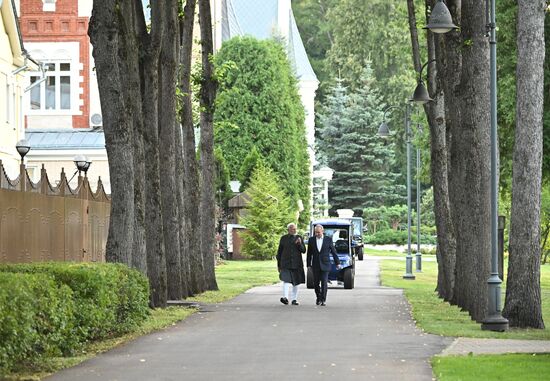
[[163, 198], [342, 35], [460, 158]]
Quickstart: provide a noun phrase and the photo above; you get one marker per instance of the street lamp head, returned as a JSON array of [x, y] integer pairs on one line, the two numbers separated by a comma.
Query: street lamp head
[[87, 166], [440, 19], [23, 147], [384, 130], [81, 163], [420, 94]]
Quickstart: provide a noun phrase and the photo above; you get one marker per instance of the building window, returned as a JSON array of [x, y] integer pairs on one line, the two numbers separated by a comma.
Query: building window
[[48, 5], [55, 92]]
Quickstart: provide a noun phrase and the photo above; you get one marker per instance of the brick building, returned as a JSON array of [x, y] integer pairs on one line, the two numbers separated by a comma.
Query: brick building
[[63, 112]]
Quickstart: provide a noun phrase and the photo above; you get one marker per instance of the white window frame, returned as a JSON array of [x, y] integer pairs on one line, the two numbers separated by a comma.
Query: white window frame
[[48, 5], [57, 74], [58, 52]]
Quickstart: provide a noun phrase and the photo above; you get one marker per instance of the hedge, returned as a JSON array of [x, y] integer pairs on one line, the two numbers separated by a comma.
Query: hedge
[[396, 237], [53, 308]]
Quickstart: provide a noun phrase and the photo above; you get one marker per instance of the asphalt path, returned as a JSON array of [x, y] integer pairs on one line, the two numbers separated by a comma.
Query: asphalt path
[[362, 334]]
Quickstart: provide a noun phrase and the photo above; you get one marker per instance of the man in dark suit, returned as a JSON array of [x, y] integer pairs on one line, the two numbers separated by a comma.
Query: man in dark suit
[[319, 249]]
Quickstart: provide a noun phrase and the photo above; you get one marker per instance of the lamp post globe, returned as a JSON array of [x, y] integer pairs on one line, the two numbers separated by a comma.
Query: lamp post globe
[[87, 166], [80, 162], [420, 94], [23, 147], [384, 130], [440, 19]]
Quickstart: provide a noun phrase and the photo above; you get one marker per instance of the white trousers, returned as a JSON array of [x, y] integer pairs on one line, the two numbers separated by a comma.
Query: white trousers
[[286, 289]]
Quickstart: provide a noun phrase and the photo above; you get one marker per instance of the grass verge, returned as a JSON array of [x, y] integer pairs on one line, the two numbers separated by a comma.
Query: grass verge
[[434, 315], [510, 367], [233, 277], [438, 317], [391, 253]]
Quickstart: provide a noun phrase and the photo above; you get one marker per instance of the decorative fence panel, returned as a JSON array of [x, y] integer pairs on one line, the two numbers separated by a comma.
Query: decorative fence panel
[[40, 222]]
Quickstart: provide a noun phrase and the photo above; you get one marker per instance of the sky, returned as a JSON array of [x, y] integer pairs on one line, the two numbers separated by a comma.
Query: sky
[[146, 10]]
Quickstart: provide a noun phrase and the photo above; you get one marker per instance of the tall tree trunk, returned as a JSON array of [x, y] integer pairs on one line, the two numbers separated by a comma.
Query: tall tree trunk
[[449, 67], [180, 180], [178, 157], [191, 217], [167, 122], [139, 250], [156, 260], [439, 151], [208, 95], [113, 51], [471, 166], [523, 295]]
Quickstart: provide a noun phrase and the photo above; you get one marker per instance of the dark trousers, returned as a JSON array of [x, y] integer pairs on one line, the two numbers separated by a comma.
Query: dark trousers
[[320, 279]]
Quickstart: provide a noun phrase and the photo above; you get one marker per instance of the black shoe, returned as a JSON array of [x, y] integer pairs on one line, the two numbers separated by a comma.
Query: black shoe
[[318, 301], [323, 304], [284, 300], [295, 303]]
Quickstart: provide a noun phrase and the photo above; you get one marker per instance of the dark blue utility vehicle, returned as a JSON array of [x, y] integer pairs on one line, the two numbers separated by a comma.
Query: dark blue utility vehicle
[[341, 232]]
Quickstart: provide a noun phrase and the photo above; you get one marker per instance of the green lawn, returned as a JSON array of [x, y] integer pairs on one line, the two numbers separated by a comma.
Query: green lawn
[[391, 253], [436, 316], [233, 277], [513, 367]]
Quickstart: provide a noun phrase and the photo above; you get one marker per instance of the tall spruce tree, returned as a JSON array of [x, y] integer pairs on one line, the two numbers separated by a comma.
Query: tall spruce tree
[[361, 160]]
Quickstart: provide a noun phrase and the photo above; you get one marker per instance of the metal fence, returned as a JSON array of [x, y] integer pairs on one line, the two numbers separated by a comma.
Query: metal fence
[[40, 222]]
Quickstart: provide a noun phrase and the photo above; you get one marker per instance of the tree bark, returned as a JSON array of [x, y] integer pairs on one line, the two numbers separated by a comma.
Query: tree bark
[[180, 180], [167, 123], [156, 260], [207, 97], [446, 238], [113, 52], [191, 217], [523, 294], [139, 251], [471, 166]]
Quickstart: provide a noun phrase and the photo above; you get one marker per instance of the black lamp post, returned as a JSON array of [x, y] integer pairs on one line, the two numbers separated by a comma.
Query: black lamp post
[[23, 147], [441, 22], [384, 131]]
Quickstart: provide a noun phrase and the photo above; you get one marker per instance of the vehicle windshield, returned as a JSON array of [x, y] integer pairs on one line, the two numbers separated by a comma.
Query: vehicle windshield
[[336, 234]]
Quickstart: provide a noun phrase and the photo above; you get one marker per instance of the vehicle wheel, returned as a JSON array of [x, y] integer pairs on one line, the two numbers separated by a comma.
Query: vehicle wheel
[[309, 280], [348, 278], [360, 254]]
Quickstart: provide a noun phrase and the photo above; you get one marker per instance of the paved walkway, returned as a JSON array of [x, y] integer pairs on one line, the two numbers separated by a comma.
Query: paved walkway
[[466, 345], [362, 334]]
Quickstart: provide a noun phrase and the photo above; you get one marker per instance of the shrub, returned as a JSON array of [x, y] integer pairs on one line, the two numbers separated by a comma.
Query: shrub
[[396, 237], [36, 318], [109, 299]]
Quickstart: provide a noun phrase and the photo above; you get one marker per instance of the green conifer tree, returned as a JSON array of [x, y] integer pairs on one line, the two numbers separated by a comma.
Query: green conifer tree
[[268, 214], [258, 105], [361, 160]]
